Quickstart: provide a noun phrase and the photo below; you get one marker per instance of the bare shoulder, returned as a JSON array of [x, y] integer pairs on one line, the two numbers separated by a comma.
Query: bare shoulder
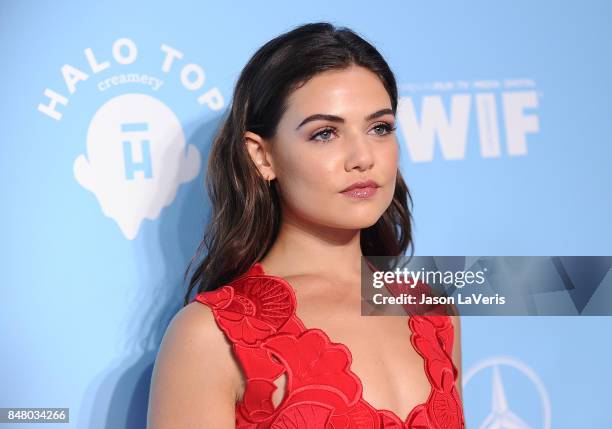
[[194, 365]]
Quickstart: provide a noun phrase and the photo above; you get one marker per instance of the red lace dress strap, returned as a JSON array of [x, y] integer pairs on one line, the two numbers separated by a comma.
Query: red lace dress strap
[[257, 313]]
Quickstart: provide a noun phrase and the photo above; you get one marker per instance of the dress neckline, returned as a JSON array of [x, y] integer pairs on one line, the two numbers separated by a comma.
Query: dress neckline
[[258, 269]]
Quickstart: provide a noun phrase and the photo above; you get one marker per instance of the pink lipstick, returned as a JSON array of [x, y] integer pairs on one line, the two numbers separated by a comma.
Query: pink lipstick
[[361, 190]]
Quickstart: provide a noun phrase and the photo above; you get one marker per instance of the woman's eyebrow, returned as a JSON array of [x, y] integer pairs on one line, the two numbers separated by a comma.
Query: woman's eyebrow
[[334, 118]]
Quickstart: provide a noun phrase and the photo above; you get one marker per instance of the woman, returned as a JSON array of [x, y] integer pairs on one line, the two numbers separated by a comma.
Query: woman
[[303, 179]]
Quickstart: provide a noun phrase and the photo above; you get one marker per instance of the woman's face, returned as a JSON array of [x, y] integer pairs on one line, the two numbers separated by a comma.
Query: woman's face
[[314, 158]]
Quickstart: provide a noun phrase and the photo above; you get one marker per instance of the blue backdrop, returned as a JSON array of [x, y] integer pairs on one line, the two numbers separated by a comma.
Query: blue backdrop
[[108, 112]]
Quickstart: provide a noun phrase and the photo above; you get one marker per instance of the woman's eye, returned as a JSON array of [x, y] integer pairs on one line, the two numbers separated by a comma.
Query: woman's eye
[[386, 129], [327, 132]]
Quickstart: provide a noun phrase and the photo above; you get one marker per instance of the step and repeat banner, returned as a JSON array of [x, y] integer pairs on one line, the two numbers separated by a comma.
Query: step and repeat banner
[[108, 112]]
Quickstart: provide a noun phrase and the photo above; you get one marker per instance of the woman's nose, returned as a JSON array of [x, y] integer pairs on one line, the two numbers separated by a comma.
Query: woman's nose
[[359, 153]]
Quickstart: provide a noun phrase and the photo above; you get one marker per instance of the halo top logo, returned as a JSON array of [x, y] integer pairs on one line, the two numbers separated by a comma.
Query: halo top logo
[[136, 159], [192, 76], [137, 155]]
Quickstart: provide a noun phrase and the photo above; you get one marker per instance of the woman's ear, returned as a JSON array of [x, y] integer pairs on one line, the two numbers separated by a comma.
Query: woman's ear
[[257, 149]]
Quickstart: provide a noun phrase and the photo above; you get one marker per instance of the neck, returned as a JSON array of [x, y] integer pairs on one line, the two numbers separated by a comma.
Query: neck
[[302, 247]]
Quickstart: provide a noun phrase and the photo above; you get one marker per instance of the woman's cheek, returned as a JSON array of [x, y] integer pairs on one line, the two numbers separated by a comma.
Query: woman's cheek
[[302, 192]]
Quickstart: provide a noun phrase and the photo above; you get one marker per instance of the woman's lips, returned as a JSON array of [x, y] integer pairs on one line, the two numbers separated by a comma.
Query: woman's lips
[[361, 193], [361, 189]]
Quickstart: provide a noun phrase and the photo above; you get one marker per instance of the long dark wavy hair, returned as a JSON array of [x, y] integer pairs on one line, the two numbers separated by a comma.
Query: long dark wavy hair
[[246, 212]]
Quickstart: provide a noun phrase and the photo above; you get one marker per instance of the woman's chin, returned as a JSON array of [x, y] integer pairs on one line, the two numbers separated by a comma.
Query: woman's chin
[[360, 222]]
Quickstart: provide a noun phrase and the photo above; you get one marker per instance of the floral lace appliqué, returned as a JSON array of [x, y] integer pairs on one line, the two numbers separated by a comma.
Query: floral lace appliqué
[[257, 313]]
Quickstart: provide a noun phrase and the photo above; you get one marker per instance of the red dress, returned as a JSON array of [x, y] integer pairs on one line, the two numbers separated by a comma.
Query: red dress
[[257, 313]]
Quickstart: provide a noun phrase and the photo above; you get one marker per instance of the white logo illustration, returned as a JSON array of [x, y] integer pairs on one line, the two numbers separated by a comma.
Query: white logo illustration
[[136, 156], [503, 414], [136, 159]]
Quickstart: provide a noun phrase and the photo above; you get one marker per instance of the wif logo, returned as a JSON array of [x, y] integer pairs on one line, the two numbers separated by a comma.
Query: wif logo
[[444, 116], [136, 155]]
